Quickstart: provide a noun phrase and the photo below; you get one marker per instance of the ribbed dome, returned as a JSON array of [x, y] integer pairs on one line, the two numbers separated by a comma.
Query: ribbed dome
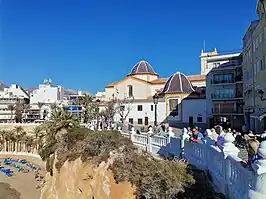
[[178, 83], [142, 67]]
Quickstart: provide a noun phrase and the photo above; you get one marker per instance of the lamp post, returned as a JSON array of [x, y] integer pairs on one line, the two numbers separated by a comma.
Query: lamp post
[[155, 101], [261, 93]]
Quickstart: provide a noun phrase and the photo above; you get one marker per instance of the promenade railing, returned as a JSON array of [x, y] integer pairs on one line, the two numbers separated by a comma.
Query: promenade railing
[[230, 174]]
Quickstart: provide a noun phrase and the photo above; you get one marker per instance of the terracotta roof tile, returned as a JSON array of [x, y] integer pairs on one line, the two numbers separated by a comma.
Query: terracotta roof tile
[[111, 85], [159, 81], [196, 78]]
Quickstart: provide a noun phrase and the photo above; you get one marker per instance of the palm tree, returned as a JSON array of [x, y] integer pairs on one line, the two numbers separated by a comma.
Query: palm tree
[[29, 140], [38, 135], [18, 134], [85, 101], [60, 119], [3, 140], [11, 107]]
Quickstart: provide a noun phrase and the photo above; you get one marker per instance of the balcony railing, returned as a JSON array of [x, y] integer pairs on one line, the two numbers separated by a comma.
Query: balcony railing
[[226, 111], [222, 96], [224, 81]]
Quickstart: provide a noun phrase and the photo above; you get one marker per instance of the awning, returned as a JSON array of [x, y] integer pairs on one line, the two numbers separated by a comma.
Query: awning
[[259, 114]]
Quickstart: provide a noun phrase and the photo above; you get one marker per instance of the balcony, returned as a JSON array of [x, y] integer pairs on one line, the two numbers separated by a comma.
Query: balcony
[[226, 96], [227, 111], [228, 81]]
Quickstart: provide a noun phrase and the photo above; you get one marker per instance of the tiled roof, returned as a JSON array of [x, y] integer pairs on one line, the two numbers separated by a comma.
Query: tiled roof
[[196, 78], [142, 67], [111, 85], [199, 93], [159, 81], [178, 83]]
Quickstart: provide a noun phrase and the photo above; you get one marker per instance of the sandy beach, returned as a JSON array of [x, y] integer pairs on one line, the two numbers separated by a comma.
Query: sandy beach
[[21, 185]]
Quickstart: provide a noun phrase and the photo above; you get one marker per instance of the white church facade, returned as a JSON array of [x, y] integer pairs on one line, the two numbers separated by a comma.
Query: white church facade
[[142, 83]]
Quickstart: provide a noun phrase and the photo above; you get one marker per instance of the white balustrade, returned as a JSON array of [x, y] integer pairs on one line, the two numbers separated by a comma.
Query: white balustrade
[[140, 139], [229, 176], [158, 140]]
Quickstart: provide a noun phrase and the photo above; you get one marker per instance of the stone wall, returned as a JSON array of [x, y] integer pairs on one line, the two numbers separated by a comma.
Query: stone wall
[[10, 126]]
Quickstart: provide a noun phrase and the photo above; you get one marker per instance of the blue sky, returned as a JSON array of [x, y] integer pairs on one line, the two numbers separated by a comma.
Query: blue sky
[[85, 44]]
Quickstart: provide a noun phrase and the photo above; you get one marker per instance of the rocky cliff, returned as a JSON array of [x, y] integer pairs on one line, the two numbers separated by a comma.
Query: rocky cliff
[[77, 180]]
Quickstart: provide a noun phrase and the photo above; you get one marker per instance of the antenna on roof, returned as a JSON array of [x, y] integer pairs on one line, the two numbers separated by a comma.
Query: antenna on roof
[[204, 46]]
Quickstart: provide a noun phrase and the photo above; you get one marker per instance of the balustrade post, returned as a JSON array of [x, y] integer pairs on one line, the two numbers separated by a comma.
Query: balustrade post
[[170, 134], [133, 132], [120, 129], [149, 145], [260, 163], [259, 191], [228, 148]]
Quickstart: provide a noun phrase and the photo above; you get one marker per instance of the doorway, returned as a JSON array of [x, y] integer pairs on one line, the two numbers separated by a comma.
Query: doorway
[[146, 122], [190, 121]]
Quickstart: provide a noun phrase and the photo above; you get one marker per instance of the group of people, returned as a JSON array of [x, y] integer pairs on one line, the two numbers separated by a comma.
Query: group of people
[[248, 141]]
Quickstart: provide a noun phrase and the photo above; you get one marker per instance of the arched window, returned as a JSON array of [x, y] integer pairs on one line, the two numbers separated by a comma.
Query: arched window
[[130, 91]]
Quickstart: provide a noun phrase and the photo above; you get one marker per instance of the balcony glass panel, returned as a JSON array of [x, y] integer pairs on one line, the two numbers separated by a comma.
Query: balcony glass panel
[[223, 78], [224, 93]]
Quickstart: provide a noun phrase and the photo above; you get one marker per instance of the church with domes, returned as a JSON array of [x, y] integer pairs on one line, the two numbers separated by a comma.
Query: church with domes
[[142, 83]]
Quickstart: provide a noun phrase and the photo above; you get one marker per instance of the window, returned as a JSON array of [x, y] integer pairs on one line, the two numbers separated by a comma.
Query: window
[[139, 120], [146, 121], [130, 91], [122, 108], [264, 62], [151, 107], [199, 119], [173, 106], [139, 107], [264, 33], [261, 64], [130, 120]]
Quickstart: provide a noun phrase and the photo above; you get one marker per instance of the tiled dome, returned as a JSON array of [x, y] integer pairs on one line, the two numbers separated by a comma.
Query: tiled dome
[[142, 67], [178, 83]]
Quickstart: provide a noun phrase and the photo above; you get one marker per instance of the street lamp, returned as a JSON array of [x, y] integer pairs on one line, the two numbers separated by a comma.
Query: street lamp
[[155, 101], [261, 93]]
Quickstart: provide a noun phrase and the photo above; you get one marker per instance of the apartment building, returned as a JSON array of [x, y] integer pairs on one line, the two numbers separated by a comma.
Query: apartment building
[[224, 94], [254, 70], [9, 96], [210, 60]]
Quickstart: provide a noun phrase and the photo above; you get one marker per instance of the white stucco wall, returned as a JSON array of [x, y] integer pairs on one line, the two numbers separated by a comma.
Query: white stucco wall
[[141, 90], [194, 108], [146, 112], [47, 94], [146, 77]]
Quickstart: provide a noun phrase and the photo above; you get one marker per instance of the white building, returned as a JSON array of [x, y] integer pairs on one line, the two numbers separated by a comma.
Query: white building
[[47, 93], [42, 98], [10, 96], [210, 60]]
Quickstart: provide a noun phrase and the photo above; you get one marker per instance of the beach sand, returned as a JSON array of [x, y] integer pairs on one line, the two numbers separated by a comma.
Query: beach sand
[[21, 185]]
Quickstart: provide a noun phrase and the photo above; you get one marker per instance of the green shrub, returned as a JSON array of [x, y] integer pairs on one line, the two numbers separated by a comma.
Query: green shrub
[[153, 179]]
